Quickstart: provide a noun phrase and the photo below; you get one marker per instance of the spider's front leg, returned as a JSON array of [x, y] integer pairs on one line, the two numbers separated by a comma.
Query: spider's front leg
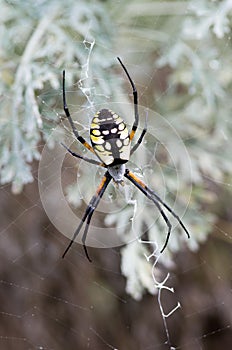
[[89, 212], [135, 96], [68, 115]]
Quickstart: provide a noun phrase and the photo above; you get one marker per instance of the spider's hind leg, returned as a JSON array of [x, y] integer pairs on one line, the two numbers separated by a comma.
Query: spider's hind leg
[[158, 202], [89, 212]]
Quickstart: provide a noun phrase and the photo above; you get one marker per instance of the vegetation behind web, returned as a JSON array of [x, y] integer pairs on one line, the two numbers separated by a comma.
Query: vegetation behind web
[[179, 54]]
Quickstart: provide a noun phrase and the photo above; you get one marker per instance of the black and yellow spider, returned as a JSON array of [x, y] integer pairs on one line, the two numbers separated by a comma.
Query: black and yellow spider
[[111, 143]]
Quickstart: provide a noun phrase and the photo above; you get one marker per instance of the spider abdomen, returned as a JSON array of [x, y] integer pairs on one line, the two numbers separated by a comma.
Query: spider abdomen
[[110, 138]]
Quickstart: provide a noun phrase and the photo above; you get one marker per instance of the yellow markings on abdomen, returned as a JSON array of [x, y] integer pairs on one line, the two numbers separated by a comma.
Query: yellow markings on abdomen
[[97, 139], [96, 132], [94, 126], [99, 148]]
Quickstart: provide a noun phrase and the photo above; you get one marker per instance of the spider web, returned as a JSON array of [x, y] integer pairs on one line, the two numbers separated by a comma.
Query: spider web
[[50, 303]]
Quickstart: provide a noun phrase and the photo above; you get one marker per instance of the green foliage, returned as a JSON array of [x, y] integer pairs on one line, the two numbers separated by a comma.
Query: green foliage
[[38, 40], [191, 40]]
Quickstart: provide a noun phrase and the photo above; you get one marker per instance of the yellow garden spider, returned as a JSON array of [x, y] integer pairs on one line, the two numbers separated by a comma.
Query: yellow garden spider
[[111, 143]]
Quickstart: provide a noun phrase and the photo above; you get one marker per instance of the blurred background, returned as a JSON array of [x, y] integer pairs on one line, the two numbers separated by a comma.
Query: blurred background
[[179, 55]]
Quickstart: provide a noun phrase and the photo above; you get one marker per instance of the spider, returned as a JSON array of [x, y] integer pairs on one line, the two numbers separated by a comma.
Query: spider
[[111, 143]]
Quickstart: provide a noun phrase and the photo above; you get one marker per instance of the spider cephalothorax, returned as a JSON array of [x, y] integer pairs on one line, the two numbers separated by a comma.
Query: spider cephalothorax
[[111, 143]]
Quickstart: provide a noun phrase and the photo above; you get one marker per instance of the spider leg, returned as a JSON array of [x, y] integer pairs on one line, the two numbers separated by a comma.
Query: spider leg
[[136, 145], [92, 161], [157, 201], [77, 230], [74, 129], [86, 231], [89, 212], [165, 219], [135, 95]]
